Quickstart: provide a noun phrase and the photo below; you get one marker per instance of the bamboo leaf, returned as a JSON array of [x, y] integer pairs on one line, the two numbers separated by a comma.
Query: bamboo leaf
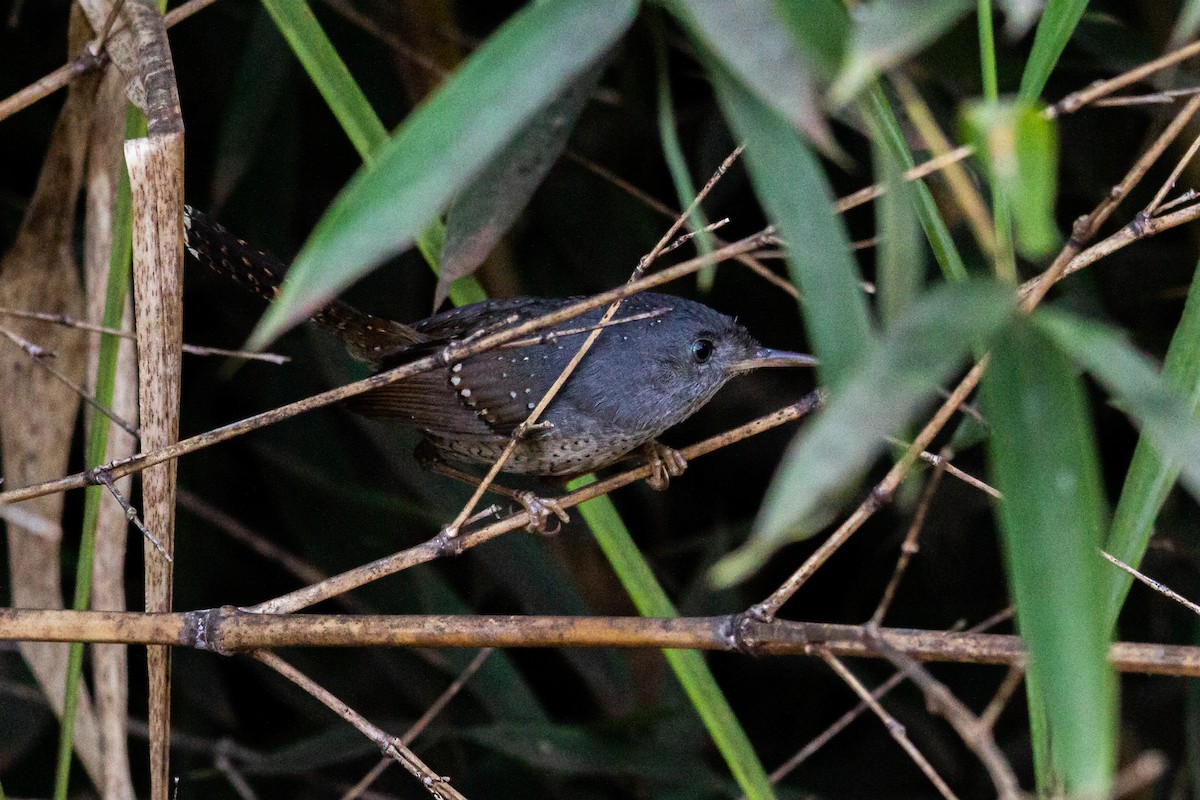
[[896, 376], [1053, 32], [755, 45], [886, 132], [1150, 475], [444, 144], [1164, 413], [487, 208], [1019, 151], [792, 188], [887, 32], [1043, 459], [689, 666]]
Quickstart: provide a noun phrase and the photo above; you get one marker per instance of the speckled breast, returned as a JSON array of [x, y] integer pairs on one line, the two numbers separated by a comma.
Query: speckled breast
[[543, 453]]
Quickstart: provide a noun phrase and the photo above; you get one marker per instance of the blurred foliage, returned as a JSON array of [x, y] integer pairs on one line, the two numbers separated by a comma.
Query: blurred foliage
[[809, 89]]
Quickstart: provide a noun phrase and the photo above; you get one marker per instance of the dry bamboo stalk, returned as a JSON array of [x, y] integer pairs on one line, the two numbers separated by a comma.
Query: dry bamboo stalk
[[155, 165]]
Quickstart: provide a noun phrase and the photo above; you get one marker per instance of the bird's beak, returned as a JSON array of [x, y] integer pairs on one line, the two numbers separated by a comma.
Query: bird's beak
[[766, 357]]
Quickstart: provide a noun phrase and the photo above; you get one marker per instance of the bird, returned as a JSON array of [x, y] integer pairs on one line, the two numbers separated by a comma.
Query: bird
[[657, 362]]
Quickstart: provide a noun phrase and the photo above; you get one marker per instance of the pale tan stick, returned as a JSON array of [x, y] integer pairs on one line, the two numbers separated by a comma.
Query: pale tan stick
[[435, 784], [421, 724], [1166, 591], [893, 726]]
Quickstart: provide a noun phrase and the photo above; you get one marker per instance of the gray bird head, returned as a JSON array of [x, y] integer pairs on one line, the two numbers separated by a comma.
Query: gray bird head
[[674, 363]]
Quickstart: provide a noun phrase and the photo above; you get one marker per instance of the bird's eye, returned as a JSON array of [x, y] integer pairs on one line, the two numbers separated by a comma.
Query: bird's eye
[[702, 350]]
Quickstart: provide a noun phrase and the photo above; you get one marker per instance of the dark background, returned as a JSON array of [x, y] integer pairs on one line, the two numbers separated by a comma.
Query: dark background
[[266, 157]]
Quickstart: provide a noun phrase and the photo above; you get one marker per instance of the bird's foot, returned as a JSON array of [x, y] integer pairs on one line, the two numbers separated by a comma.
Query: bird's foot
[[665, 463], [540, 510]]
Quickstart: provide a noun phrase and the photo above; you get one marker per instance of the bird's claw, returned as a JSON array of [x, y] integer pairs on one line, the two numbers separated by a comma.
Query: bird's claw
[[540, 510], [665, 463]]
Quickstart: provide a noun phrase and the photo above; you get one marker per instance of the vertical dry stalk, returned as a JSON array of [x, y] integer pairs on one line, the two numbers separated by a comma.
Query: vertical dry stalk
[[155, 165], [37, 416]]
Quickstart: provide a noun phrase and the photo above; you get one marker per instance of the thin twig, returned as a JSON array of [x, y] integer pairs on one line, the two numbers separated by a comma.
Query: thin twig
[[421, 724], [1166, 591], [894, 726], [435, 784], [42, 358], [1169, 184], [1164, 97], [910, 547], [935, 460], [1012, 680], [198, 350], [975, 735], [1077, 100], [131, 514]]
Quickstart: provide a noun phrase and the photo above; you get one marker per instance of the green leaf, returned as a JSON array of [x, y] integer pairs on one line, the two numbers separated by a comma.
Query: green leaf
[[1150, 475], [1165, 414], [895, 378], [900, 253], [885, 131], [689, 666], [1019, 151], [444, 144], [823, 29], [329, 74], [353, 112], [487, 208], [792, 188], [755, 45], [887, 32], [1043, 460], [1053, 32]]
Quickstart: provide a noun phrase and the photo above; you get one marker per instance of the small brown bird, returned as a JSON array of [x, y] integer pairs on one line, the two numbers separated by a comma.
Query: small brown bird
[[662, 360]]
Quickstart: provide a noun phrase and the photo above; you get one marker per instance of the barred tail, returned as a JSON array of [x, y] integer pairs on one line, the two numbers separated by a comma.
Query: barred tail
[[369, 337]]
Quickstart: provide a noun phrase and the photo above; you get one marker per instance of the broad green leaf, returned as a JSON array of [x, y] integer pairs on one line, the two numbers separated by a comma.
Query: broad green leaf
[[444, 144], [354, 113], [329, 74], [1165, 414], [689, 666], [792, 188], [896, 376], [487, 208], [1150, 476], [1043, 460], [887, 32], [756, 46], [900, 253], [1053, 32], [1019, 151], [823, 29], [885, 130]]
